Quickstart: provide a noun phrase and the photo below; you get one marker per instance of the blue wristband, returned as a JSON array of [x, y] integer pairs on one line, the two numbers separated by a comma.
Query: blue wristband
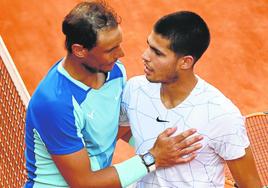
[[131, 170]]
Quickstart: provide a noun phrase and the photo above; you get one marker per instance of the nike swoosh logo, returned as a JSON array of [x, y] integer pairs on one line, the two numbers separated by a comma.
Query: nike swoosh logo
[[160, 120]]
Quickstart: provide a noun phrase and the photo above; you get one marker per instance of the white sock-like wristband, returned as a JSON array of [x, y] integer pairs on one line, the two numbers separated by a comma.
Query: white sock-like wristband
[[131, 170]]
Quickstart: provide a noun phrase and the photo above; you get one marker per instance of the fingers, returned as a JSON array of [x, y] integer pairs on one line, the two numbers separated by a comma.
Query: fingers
[[168, 132], [187, 142], [178, 149], [189, 150], [184, 135], [186, 158], [188, 154]]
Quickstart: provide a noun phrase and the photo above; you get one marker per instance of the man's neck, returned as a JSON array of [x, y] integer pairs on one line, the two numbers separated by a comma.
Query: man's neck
[[77, 71], [172, 94]]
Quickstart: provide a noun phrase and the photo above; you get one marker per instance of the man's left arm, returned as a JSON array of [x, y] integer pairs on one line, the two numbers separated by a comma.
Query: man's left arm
[[244, 171], [230, 141]]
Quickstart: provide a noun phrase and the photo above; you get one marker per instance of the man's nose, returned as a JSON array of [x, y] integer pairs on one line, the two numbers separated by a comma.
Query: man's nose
[[120, 53], [145, 56]]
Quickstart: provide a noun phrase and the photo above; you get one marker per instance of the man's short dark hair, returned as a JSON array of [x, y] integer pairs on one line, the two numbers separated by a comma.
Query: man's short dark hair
[[83, 22], [188, 33]]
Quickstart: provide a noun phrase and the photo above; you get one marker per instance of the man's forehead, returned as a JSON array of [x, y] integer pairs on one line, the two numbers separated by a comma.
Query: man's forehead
[[158, 41], [109, 36]]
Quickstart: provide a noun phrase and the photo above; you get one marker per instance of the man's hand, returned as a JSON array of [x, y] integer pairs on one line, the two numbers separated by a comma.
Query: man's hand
[[179, 149]]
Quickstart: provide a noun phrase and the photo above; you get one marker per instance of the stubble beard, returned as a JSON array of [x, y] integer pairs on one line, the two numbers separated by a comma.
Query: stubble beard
[[91, 70], [151, 80], [166, 81]]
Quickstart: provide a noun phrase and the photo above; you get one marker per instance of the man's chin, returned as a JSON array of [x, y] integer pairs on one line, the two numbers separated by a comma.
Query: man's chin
[[107, 68], [90, 69], [151, 79]]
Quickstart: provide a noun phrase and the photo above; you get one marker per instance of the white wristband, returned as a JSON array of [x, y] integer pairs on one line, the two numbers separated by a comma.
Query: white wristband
[[131, 170]]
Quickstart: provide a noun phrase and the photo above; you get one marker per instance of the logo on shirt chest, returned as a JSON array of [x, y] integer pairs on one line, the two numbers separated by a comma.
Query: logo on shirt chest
[[161, 120], [91, 115]]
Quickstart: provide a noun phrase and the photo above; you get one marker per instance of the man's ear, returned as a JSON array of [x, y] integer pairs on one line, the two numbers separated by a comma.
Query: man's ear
[[187, 62], [78, 50]]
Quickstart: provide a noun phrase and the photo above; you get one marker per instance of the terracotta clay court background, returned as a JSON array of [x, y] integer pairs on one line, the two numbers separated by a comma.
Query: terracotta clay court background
[[236, 61]]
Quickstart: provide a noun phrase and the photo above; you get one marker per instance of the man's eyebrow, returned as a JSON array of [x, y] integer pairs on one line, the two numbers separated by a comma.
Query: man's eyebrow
[[155, 49], [111, 49]]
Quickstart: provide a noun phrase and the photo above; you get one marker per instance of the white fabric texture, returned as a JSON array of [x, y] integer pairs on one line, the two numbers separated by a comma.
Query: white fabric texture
[[206, 109]]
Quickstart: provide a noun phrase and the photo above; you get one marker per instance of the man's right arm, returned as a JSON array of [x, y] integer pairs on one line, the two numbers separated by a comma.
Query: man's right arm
[[75, 167], [169, 151], [76, 170]]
